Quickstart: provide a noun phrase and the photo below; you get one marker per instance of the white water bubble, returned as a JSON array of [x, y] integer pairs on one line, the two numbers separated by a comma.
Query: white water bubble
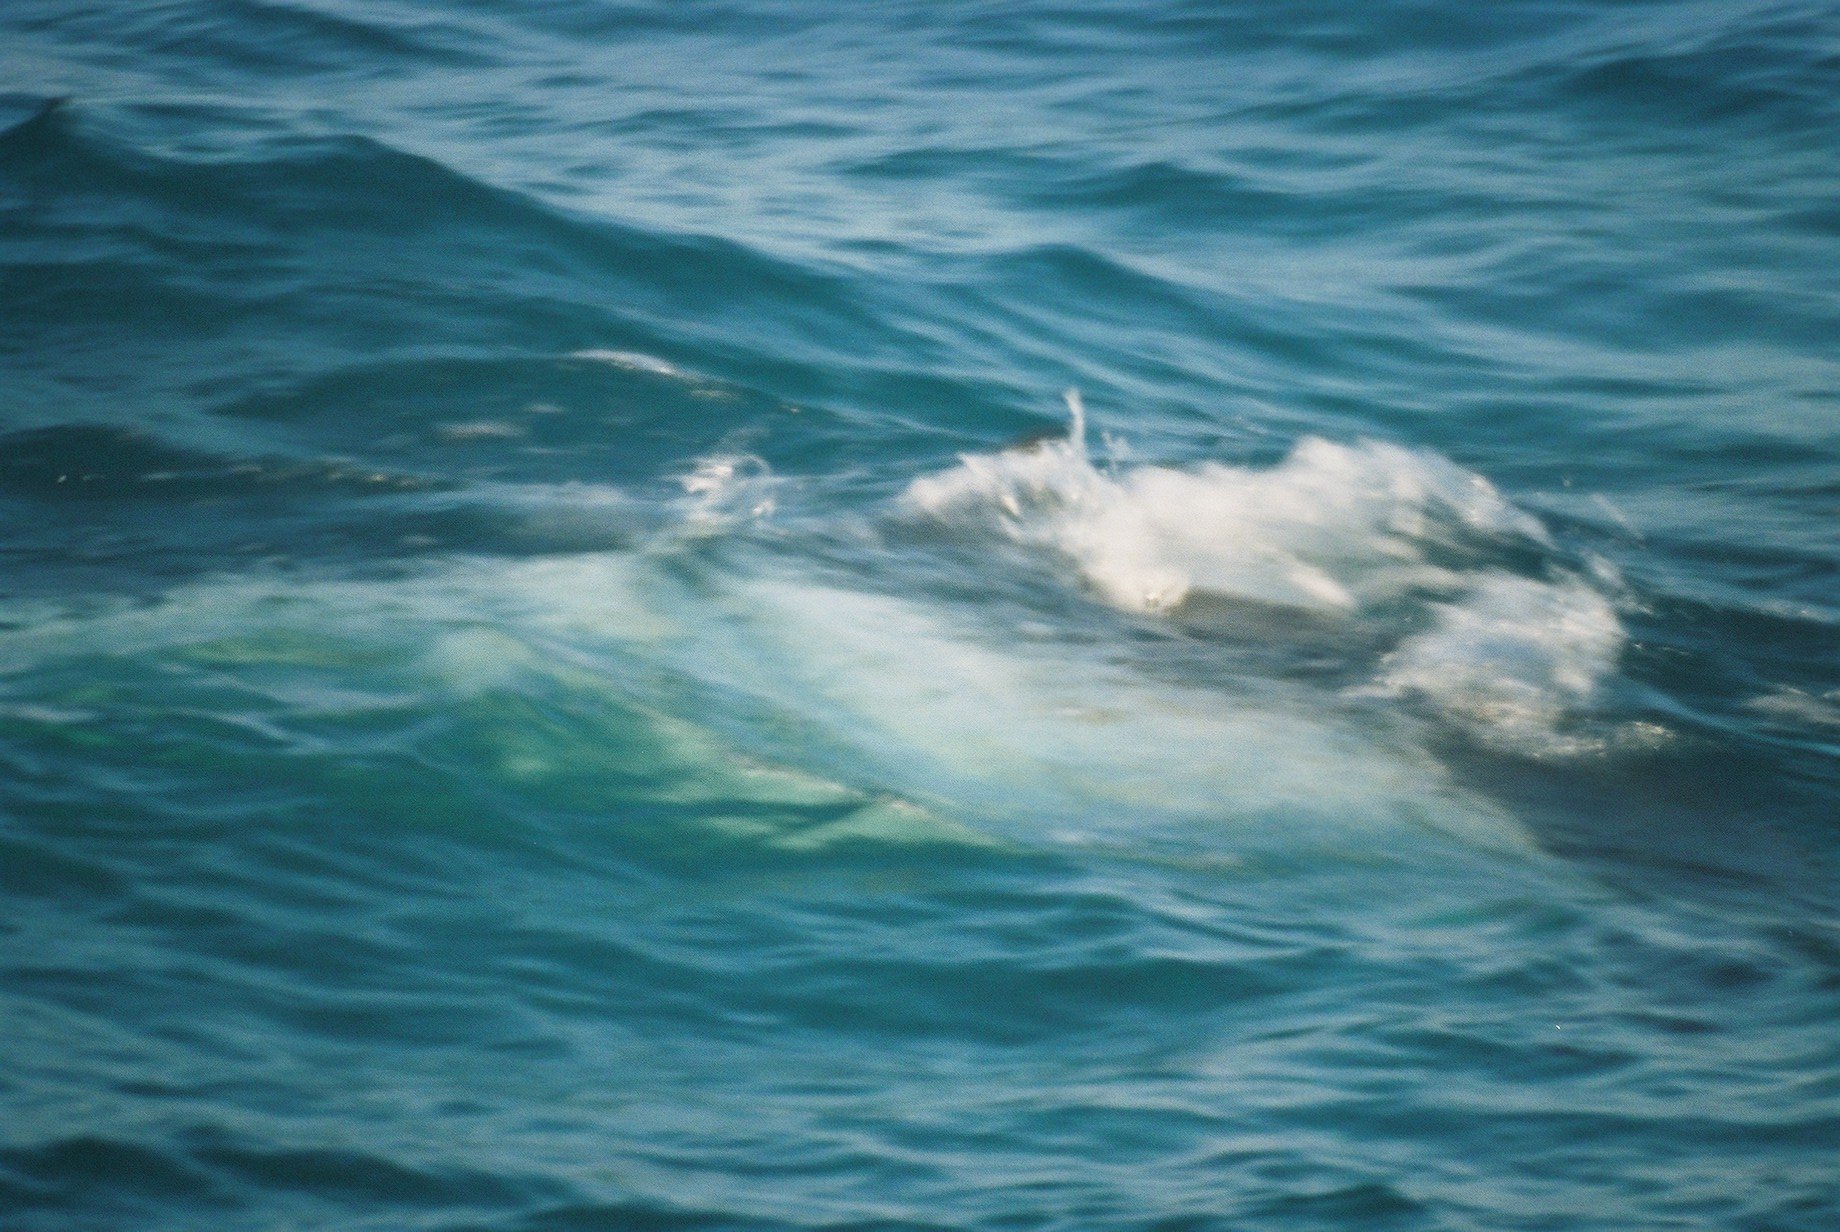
[[1378, 537], [1510, 660]]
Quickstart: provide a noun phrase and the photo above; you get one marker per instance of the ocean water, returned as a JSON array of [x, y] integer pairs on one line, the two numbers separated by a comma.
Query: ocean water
[[963, 616]]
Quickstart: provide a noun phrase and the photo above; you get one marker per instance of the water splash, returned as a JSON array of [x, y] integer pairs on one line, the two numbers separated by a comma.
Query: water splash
[[1511, 659], [1382, 538], [1331, 528]]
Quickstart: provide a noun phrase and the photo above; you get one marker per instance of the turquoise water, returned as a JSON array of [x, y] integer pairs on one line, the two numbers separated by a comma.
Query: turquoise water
[[566, 661]]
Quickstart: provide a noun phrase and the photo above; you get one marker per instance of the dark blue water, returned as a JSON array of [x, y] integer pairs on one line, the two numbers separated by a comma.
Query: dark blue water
[[566, 664]]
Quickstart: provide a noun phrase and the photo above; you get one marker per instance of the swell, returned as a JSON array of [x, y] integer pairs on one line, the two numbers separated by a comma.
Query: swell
[[253, 39], [1758, 68], [346, 185], [846, 1057], [316, 219], [513, 717]]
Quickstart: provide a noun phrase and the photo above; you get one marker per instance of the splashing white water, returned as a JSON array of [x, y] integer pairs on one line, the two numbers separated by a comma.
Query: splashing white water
[[892, 692], [1511, 659], [1329, 529], [1368, 532]]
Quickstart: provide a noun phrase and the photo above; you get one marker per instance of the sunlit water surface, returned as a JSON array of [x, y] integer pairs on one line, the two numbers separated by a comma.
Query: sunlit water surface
[[566, 662]]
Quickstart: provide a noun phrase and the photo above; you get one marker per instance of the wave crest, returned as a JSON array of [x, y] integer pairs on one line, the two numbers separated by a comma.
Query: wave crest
[[1417, 549], [1511, 659], [1331, 528]]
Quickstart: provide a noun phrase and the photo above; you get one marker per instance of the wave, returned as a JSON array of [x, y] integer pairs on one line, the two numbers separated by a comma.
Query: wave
[[1333, 608], [245, 39], [767, 707], [723, 642], [1394, 538], [316, 220], [1332, 528], [1512, 659]]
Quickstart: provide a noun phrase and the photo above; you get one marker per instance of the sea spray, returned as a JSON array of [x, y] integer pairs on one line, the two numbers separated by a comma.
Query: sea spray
[[1373, 535]]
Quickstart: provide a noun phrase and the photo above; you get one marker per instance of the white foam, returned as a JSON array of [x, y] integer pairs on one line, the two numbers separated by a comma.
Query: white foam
[[1369, 533], [911, 706], [1512, 659], [1045, 733], [1330, 528]]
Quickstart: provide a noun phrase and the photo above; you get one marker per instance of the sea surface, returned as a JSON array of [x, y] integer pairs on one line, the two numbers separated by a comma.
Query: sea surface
[[919, 617]]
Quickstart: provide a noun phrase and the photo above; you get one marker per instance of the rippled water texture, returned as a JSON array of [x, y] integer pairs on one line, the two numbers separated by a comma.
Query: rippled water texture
[[566, 662]]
